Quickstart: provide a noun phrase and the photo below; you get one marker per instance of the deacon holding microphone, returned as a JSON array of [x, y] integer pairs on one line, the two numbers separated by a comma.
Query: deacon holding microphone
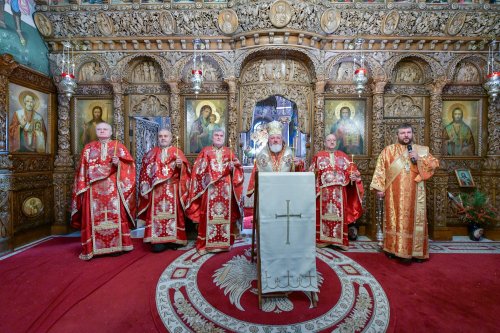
[[399, 177]]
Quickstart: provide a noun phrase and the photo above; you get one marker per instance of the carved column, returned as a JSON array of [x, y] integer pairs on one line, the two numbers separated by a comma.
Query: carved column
[[7, 66], [63, 167], [492, 162], [378, 86], [436, 106], [63, 156], [319, 116], [175, 107], [494, 127], [232, 129], [118, 110], [438, 186]]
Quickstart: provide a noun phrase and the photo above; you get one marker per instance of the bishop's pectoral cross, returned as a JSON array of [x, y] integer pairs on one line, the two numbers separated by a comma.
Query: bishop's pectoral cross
[[288, 215]]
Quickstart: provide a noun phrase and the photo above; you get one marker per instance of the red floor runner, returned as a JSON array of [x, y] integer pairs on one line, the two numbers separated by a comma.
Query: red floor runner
[[48, 289], [448, 293]]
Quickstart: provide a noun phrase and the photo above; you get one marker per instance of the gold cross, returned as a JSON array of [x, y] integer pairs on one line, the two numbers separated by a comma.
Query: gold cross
[[287, 215]]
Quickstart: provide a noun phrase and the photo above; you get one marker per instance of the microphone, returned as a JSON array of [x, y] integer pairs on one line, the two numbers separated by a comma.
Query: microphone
[[410, 149]]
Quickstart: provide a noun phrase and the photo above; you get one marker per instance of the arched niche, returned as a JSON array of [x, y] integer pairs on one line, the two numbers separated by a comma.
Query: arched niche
[[427, 69], [343, 71], [275, 86], [409, 72], [212, 71], [273, 108], [144, 70], [466, 73], [276, 74], [147, 102], [90, 72], [467, 70]]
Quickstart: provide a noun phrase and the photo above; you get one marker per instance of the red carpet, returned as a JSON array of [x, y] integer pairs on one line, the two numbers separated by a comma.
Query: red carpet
[[48, 289], [248, 219], [448, 293]]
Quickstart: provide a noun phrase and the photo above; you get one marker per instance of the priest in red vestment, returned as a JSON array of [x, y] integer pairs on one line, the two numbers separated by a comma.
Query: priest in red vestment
[[163, 185], [103, 202], [400, 176], [339, 194], [215, 196], [276, 156]]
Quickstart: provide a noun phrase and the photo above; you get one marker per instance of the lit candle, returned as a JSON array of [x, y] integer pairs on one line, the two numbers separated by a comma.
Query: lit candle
[[352, 166], [116, 141], [230, 152], [177, 138]]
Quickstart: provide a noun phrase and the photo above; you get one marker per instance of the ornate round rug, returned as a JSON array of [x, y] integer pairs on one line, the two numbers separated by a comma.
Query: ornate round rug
[[218, 293]]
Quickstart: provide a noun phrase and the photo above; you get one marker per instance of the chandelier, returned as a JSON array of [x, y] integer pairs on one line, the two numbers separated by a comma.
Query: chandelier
[[360, 72], [68, 82], [492, 84], [197, 71]]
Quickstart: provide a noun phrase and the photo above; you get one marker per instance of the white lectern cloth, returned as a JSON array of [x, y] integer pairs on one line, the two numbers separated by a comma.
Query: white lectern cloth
[[287, 200]]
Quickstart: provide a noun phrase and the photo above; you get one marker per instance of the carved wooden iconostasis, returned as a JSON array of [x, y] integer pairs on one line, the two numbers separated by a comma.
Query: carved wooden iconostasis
[[426, 63], [27, 145]]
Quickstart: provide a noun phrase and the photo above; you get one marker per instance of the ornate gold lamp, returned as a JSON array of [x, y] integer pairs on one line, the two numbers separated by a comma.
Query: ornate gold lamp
[[68, 82], [360, 72], [492, 84], [197, 71]]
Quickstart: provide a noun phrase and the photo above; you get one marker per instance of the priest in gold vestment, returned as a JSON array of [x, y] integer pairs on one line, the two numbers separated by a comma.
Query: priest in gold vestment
[[276, 156], [399, 177]]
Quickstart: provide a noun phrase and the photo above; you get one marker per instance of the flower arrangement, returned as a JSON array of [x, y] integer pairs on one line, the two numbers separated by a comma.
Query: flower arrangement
[[474, 208]]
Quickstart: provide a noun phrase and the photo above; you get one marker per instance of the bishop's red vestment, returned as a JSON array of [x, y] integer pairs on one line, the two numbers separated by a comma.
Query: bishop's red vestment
[[338, 202], [103, 202], [215, 198], [163, 195]]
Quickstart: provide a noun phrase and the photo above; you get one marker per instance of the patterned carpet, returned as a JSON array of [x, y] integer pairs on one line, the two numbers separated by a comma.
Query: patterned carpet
[[217, 293], [361, 291], [461, 246]]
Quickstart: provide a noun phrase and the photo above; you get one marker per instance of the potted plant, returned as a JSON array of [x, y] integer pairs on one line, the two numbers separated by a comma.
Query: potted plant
[[475, 210]]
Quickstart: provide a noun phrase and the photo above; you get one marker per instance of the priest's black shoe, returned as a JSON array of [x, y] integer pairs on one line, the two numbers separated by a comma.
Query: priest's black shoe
[[390, 255], [158, 247]]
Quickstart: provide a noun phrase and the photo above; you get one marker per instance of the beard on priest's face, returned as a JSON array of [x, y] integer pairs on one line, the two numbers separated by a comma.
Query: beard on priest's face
[[276, 148]]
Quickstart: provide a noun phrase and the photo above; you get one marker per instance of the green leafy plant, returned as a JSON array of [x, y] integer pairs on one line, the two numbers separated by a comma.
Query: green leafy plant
[[475, 208]]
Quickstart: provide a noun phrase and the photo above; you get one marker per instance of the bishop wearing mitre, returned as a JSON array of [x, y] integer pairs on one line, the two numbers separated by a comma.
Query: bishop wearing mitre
[[276, 156]]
